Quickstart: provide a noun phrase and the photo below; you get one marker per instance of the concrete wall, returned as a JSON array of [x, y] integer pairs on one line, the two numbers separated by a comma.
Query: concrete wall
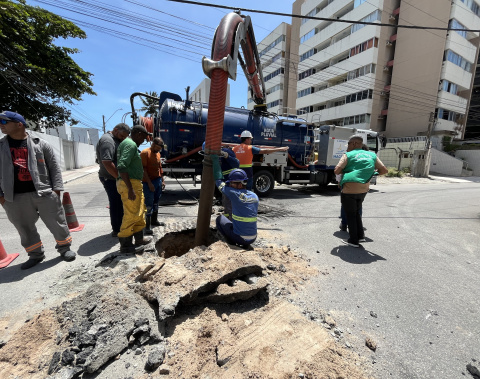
[[84, 154], [445, 164], [400, 153], [472, 157], [202, 92]]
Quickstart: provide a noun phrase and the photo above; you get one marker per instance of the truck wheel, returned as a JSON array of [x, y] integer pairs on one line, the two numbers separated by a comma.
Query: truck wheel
[[263, 183]]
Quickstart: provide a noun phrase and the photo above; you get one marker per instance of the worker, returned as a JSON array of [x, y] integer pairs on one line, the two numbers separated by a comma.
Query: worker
[[357, 166], [228, 163], [153, 183], [107, 148], [245, 151], [30, 185], [129, 186], [242, 229]]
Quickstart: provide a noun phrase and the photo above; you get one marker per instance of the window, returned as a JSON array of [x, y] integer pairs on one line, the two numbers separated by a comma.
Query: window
[[372, 17], [356, 3], [312, 13], [307, 36], [273, 74], [359, 119], [458, 60], [454, 24], [308, 54], [306, 74], [368, 69], [304, 110], [449, 87], [272, 45], [444, 114], [364, 46], [472, 5], [274, 103], [362, 95], [275, 89], [305, 92]]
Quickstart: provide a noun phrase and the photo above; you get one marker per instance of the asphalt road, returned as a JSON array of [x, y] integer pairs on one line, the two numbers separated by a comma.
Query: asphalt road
[[418, 273]]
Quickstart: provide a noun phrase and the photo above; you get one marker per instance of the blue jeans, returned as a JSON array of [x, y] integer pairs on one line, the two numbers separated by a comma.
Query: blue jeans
[[152, 197], [115, 203], [225, 226]]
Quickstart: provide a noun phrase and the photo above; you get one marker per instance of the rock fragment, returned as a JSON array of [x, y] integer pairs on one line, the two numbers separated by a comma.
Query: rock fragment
[[155, 358], [371, 344]]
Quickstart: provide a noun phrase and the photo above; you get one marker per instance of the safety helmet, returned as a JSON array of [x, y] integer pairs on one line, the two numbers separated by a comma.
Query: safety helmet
[[237, 175], [246, 134]]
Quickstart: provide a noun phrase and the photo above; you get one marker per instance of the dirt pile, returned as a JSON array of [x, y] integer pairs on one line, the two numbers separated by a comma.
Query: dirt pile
[[213, 312]]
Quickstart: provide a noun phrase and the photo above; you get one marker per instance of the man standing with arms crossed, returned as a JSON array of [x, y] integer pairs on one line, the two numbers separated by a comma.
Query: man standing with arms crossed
[[357, 167], [129, 186], [30, 185], [153, 182], [107, 148], [245, 151]]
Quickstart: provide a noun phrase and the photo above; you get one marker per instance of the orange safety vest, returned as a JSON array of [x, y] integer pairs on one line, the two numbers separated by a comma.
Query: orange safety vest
[[244, 155]]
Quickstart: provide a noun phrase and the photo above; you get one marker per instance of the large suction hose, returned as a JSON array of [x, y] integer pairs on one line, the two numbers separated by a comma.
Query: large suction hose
[[223, 43]]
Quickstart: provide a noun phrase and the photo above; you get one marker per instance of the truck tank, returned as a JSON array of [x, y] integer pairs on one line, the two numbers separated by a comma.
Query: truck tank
[[182, 126]]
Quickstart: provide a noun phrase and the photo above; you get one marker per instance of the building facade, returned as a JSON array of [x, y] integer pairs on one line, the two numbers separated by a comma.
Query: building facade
[[394, 80], [202, 92], [274, 52]]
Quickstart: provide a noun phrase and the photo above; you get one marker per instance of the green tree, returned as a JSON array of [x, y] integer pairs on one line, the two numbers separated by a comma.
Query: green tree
[[150, 106], [37, 77]]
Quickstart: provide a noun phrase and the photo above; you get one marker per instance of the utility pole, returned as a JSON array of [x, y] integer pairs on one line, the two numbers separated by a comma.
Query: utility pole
[[103, 117]]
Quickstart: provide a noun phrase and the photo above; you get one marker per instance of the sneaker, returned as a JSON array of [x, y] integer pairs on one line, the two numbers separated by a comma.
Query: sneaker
[[362, 240], [343, 227], [350, 244], [31, 262], [69, 256]]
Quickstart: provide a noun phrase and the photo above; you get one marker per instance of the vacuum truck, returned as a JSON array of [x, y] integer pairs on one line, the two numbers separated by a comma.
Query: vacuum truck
[[313, 152]]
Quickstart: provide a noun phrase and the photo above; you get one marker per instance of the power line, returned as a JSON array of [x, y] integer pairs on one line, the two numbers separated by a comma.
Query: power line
[[320, 18]]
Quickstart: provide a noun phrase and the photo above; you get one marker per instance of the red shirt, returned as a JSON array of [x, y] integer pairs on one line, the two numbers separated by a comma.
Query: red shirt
[[151, 163]]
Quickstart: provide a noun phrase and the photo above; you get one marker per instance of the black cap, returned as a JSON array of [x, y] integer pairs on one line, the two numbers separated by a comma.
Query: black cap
[[140, 128]]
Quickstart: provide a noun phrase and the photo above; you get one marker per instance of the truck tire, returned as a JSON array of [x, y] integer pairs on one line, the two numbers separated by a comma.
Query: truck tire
[[263, 183]]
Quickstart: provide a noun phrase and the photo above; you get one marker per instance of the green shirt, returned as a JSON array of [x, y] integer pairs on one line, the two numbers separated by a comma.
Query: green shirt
[[128, 159], [360, 166]]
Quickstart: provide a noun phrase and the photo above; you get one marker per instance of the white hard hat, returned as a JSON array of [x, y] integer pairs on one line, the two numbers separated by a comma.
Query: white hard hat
[[246, 134]]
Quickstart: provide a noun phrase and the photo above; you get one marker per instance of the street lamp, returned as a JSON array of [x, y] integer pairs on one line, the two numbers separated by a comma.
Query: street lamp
[[105, 122]]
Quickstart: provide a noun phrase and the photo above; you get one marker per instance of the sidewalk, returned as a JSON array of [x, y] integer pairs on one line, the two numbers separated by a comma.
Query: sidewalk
[[456, 179], [70, 175]]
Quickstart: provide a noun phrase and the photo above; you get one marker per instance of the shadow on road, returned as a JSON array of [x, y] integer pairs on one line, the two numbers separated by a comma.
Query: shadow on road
[[97, 245], [354, 255], [15, 274]]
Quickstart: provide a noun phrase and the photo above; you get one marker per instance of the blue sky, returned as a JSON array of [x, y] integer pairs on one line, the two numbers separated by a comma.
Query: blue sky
[[121, 67]]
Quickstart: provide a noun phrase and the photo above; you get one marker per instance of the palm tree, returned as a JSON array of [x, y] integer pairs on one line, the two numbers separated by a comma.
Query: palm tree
[[150, 105]]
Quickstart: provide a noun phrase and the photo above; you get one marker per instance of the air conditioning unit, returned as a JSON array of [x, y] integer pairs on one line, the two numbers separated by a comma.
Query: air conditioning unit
[[386, 68], [392, 17], [389, 43], [382, 93]]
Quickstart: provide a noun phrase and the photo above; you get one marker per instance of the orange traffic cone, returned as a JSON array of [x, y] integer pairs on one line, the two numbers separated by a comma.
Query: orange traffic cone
[[72, 221], [6, 259]]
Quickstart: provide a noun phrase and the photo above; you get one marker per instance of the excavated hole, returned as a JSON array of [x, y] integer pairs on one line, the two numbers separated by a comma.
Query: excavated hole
[[175, 244]]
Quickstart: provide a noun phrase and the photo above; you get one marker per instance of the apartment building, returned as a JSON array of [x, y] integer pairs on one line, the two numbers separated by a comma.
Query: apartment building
[[202, 92], [399, 81], [274, 52]]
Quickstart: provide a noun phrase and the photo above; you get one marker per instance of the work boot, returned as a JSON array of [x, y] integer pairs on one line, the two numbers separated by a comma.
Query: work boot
[[69, 255], [140, 239], [127, 247], [154, 219], [148, 228], [31, 262]]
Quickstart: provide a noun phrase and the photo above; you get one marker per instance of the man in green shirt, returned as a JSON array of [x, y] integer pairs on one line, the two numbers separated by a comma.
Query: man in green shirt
[[357, 167], [129, 186]]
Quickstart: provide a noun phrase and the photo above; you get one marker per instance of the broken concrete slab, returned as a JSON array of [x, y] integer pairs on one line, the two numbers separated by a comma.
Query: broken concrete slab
[[195, 275]]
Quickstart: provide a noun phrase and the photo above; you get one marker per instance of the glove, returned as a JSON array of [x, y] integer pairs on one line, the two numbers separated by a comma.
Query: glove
[[225, 154], [217, 171]]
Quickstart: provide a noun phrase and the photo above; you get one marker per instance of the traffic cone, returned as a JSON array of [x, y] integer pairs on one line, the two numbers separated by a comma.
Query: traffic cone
[[72, 221], [6, 259]]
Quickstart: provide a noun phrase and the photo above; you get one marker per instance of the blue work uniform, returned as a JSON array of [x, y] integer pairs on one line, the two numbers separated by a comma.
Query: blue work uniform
[[242, 229]]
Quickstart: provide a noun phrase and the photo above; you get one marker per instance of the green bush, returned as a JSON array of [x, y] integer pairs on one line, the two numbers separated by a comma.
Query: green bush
[[406, 170], [393, 172]]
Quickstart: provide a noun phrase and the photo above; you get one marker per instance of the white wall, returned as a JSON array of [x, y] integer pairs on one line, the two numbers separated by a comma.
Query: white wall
[[472, 157], [84, 154], [445, 164]]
